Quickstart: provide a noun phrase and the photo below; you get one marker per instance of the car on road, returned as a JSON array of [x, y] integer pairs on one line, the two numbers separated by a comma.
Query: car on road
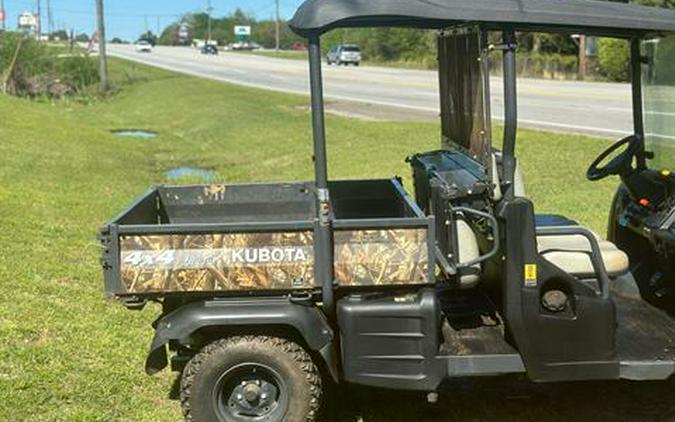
[[245, 46], [209, 49], [143, 47], [344, 54]]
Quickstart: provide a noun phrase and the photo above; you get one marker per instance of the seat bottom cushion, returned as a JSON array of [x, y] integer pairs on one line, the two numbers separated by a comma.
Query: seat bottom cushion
[[572, 253]]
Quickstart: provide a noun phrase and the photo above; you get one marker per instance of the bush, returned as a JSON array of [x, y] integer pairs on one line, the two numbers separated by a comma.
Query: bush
[[614, 59], [32, 69], [78, 72], [537, 65]]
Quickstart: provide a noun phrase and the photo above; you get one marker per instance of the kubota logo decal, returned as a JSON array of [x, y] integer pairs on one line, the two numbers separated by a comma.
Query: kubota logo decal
[[201, 258]]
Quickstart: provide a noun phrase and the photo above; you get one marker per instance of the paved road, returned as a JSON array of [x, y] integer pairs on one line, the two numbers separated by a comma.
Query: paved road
[[592, 108]]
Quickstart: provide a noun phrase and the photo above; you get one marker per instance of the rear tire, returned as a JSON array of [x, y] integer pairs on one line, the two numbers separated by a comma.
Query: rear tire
[[250, 378]]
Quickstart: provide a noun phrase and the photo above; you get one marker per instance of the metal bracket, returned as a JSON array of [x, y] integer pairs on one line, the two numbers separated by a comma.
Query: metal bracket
[[503, 47]]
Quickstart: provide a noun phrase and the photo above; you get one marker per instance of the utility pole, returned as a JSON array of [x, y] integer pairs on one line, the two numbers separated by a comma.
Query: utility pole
[[278, 39], [50, 19], [582, 58], [209, 9], [103, 58], [39, 20], [4, 15], [159, 24]]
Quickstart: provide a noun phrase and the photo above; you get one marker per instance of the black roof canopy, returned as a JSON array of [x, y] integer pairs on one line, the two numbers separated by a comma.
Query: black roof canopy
[[585, 16]]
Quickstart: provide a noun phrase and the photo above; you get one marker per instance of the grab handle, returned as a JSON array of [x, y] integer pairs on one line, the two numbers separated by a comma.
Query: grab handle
[[495, 234], [596, 255]]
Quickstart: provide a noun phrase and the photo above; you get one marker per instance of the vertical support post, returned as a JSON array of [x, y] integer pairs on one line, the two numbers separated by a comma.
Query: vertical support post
[[103, 55], [510, 111], [638, 112], [323, 239]]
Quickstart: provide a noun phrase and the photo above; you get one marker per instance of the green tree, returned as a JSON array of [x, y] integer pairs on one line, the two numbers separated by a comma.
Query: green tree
[[614, 58], [82, 38], [657, 3], [170, 35], [149, 37]]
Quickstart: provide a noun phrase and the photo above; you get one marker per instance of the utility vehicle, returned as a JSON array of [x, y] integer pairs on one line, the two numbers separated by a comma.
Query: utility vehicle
[[272, 291]]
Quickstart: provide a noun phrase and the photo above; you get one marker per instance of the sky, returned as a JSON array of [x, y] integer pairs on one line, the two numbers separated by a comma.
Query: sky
[[127, 19]]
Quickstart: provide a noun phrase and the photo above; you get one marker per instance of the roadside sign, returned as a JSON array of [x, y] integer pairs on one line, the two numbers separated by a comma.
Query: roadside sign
[[242, 31], [27, 20], [2, 15]]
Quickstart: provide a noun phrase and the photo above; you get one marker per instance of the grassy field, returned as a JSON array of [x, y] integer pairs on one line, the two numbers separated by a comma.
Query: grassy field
[[67, 354]]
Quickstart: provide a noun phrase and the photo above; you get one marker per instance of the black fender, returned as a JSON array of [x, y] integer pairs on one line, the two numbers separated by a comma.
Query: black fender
[[180, 324]]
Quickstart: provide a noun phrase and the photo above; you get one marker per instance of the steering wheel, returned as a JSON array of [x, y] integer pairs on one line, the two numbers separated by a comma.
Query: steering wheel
[[619, 165]]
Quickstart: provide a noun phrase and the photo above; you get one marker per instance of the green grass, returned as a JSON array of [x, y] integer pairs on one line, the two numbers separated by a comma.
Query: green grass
[[67, 354], [281, 54]]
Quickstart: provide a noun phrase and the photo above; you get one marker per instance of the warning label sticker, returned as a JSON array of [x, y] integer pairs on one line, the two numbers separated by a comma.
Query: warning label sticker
[[531, 275]]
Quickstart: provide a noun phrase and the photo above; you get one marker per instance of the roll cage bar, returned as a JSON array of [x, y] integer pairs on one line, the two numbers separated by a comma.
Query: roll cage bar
[[324, 271]]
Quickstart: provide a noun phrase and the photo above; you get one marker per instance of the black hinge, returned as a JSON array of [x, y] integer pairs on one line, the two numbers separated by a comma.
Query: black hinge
[[105, 239]]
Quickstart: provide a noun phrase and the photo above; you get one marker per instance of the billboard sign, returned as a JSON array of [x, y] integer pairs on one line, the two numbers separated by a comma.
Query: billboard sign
[[28, 21], [242, 31]]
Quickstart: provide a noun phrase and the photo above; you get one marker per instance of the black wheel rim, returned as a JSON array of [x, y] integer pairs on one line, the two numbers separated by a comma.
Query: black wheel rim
[[250, 392]]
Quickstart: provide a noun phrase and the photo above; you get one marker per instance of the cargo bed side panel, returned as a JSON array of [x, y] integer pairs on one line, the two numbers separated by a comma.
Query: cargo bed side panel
[[372, 257], [269, 261], [217, 262]]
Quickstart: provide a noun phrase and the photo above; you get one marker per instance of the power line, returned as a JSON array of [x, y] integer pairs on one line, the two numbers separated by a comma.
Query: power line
[[31, 4]]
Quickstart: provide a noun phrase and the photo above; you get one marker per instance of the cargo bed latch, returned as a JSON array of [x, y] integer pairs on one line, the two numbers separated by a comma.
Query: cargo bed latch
[[301, 298], [134, 303]]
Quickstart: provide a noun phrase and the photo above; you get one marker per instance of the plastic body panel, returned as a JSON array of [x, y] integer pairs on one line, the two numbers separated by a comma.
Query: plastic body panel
[[392, 341], [186, 320], [578, 344]]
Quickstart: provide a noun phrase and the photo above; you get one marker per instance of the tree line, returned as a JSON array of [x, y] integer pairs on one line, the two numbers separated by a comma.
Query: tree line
[[542, 55]]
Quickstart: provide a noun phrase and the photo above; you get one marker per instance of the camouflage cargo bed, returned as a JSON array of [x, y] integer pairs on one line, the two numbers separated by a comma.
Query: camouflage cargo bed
[[220, 239]]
